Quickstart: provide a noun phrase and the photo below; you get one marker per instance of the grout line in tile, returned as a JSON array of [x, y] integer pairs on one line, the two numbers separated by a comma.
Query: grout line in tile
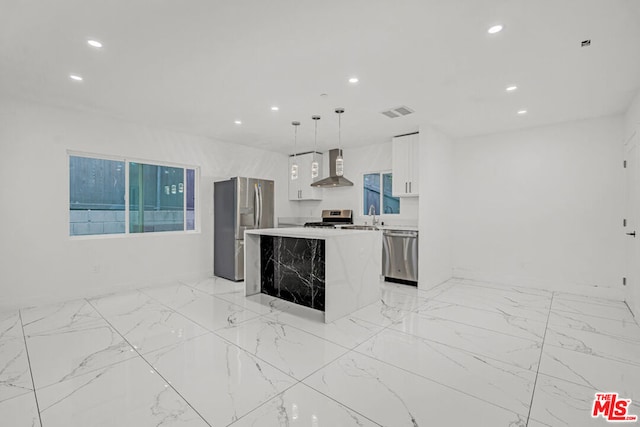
[[198, 323], [635, 319], [491, 311], [501, 286], [384, 362], [304, 385], [535, 382], [228, 341], [315, 335], [388, 327], [33, 384], [482, 327], [597, 355], [556, 310], [151, 366], [605, 334]]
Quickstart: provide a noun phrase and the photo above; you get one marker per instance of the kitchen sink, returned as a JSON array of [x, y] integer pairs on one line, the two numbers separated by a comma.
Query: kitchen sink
[[360, 227]]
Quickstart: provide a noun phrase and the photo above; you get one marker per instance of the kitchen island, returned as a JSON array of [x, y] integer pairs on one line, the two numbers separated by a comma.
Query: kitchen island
[[331, 270]]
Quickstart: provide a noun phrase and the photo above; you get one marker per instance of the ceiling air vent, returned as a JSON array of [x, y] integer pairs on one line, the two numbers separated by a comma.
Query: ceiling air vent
[[398, 112]]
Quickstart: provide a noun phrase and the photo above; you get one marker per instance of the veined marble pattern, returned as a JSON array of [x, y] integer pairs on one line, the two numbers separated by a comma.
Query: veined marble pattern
[[70, 339], [534, 307], [215, 285], [221, 381], [206, 310], [561, 403], [595, 372], [292, 350], [10, 326], [520, 352], [302, 406], [58, 318], [393, 397], [15, 377], [508, 386], [347, 331], [145, 323], [200, 353], [97, 399], [499, 322], [20, 411], [624, 327], [601, 345], [392, 307], [56, 357], [615, 310]]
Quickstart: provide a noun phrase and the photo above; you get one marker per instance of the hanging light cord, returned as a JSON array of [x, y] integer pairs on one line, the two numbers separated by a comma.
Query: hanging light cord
[[295, 141], [315, 146], [339, 131]]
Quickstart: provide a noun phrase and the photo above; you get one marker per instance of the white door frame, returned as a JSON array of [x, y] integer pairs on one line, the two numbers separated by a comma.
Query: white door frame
[[632, 217]]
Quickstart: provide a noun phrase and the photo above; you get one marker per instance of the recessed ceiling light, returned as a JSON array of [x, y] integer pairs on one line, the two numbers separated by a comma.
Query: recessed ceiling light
[[353, 80], [75, 77], [94, 43], [495, 29], [238, 122], [275, 108], [521, 112], [511, 88]]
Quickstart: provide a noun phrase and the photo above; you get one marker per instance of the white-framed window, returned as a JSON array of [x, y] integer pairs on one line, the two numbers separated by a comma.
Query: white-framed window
[[377, 194], [123, 196]]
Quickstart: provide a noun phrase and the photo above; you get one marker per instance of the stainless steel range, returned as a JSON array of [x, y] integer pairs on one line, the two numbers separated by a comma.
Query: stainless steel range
[[333, 218]]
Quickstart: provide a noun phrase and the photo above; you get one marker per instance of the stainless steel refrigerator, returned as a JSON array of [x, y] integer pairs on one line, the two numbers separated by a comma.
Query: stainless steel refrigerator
[[239, 204]]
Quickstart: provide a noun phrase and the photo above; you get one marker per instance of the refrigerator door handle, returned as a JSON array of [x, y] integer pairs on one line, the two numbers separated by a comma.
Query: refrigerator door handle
[[259, 191], [256, 204]]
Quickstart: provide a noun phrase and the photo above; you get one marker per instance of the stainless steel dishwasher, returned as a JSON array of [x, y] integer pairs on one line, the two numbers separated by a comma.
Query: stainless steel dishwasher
[[400, 256]]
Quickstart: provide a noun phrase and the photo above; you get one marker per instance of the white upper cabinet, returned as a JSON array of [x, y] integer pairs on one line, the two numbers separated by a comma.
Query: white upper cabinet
[[406, 165], [301, 189]]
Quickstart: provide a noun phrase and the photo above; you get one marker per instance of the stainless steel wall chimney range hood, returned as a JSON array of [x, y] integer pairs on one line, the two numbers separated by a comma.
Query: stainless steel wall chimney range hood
[[333, 180]]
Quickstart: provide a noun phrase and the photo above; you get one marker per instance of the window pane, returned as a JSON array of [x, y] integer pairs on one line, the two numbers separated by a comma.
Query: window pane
[[191, 198], [156, 199], [390, 204], [96, 196], [371, 193]]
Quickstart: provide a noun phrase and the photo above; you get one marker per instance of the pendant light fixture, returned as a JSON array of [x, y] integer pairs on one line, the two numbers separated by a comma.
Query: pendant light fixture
[[314, 165], [294, 166], [339, 159]]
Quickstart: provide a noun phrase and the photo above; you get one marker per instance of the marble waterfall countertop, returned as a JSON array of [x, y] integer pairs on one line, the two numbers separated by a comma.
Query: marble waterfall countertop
[[348, 277]]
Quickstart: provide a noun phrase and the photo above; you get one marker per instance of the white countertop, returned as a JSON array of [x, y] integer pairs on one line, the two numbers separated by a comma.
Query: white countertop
[[307, 233], [399, 227]]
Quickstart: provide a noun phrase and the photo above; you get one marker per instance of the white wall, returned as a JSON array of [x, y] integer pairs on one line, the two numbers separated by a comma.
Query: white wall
[[358, 161], [436, 193], [631, 126], [542, 207], [40, 263]]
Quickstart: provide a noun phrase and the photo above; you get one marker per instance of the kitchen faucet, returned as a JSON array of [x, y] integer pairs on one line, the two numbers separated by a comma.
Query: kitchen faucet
[[372, 212]]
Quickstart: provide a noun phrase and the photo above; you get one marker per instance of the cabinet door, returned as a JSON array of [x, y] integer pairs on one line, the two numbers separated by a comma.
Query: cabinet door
[[301, 189], [294, 184], [414, 165], [307, 191], [400, 166]]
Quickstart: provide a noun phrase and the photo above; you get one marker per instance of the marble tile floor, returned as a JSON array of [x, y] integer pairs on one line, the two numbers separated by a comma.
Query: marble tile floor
[[202, 354]]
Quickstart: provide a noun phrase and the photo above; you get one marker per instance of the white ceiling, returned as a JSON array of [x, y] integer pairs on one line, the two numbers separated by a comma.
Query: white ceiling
[[198, 65]]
